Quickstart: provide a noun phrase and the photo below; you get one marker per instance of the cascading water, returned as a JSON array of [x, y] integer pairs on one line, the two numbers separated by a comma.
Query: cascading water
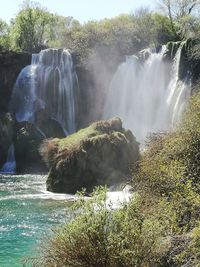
[[10, 165], [50, 83], [149, 97]]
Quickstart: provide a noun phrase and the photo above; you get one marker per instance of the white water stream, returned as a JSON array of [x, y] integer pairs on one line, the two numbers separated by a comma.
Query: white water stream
[[50, 83]]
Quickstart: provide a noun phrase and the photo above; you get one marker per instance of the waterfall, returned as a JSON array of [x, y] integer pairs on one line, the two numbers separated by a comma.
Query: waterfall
[[50, 84], [148, 96], [10, 165]]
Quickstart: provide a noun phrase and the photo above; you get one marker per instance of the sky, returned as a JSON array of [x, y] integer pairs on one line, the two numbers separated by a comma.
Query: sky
[[83, 10]]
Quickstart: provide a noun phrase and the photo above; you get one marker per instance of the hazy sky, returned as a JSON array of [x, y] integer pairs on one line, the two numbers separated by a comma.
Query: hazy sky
[[83, 10]]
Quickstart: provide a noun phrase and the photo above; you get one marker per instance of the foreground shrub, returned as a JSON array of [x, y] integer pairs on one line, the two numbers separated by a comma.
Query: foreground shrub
[[170, 166], [100, 236], [168, 172], [190, 256]]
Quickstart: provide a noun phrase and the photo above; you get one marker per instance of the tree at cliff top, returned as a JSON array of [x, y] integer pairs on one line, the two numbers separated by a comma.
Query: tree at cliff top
[[4, 35], [126, 34], [183, 15], [29, 28], [34, 28]]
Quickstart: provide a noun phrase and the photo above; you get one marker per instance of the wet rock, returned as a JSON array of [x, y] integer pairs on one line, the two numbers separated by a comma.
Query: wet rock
[[27, 143], [6, 135]]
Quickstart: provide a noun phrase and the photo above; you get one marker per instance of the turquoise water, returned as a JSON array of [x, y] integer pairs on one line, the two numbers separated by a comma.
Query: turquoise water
[[27, 214]]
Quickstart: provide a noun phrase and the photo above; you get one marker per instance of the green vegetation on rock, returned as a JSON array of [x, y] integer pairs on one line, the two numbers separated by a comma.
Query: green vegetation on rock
[[97, 155]]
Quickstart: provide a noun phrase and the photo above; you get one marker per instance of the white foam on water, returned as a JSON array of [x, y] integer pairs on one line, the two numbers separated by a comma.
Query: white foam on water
[[116, 199]]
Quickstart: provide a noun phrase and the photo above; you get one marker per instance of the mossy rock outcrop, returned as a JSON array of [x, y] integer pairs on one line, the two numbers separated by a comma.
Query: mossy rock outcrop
[[100, 154]]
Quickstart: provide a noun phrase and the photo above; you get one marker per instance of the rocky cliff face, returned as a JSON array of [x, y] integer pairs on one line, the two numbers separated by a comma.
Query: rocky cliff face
[[27, 142], [100, 154], [7, 133], [11, 64], [190, 58]]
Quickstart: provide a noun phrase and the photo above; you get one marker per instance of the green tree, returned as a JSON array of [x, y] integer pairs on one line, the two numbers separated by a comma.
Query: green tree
[[58, 28], [161, 31], [4, 35], [123, 35], [31, 27], [182, 15]]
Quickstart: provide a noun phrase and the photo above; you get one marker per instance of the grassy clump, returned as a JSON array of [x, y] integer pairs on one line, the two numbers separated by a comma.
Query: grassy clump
[[160, 226], [73, 142], [51, 147]]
